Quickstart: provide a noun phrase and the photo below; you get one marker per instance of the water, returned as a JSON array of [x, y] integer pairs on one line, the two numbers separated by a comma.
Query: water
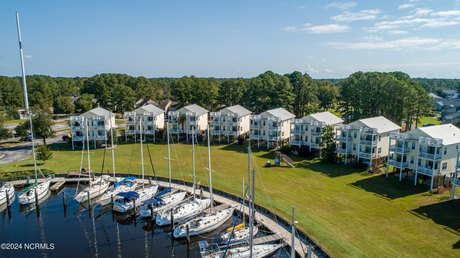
[[76, 232]]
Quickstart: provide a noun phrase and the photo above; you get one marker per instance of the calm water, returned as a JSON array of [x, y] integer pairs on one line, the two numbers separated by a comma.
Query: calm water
[[76, 232]]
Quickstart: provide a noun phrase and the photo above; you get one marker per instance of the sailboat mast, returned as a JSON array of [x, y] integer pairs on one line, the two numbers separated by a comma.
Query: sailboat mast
[[193, 162], [169, 153], [111, 144], [252, 212], [26, 99], [142, 150], [210, 171], [87, 147], [243, 198]]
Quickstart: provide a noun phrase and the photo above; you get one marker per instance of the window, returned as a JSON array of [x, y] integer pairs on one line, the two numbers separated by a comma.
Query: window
[[419, 162], [411, 159], [413, 145], [380, 138], [306, 128], [445, 150], [306, 138], [354, 146], [355, 134], [444, 166], [282, 133], [380, 150]]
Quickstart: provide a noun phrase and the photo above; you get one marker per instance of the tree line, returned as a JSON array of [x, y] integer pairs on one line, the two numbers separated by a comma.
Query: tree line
[[363, 94]]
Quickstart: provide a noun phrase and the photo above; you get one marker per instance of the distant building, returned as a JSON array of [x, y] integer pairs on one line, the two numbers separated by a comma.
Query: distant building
[[150, 117], [95, 123], [365, 140], [191, 119], [143, 102], [430, 151], [306, 132], [271, 127], [230, 122]]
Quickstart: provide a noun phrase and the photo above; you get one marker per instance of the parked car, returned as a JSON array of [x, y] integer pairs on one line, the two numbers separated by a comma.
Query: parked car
[[27, 138]]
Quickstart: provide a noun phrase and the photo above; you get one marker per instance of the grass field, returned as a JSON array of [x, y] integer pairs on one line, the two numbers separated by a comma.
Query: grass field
[[429, 120], [349, 213]]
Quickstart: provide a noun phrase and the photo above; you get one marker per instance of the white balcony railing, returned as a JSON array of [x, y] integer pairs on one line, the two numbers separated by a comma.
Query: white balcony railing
[[427, 155], [395, 148], [425, 170], [343, 151], [398, 164]]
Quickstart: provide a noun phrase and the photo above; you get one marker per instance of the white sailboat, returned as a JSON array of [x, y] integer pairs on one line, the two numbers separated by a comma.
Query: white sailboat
[[258, 251], [126, 184], [126, 201], [185, 210], [6, 193], [36, 190], [207, 222], [165, 202], [98, 185]]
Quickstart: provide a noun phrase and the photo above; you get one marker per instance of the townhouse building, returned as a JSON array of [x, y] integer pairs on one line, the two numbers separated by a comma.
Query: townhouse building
[[188, 120], [230, 123], [365, 140], [426, 151], [306, 131], [150, 117], [95, 123], [271, 127]]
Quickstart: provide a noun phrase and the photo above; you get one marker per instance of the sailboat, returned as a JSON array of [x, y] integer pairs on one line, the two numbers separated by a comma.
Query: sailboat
[[6, 191], [98, 185], [164, 202], [36, 190], [126, 184], [126, 201], [207, 222], [185, 210], [249, 249]]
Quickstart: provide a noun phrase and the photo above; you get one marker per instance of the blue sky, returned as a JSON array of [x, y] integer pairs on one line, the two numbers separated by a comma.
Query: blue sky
[[232, 38]]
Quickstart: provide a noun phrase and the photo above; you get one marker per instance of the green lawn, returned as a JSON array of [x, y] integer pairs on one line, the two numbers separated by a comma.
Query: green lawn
[[429, 120], [348, 212]]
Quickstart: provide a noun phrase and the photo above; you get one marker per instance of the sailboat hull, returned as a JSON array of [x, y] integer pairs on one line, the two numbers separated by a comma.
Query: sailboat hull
[[183, 212], [6, 190], [169, 202], [28, 196], [98, 187], [120, 205], [204, 224]]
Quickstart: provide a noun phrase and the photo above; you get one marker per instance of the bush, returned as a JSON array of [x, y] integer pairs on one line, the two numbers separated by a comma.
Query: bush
[[44, 153], [285, 149]]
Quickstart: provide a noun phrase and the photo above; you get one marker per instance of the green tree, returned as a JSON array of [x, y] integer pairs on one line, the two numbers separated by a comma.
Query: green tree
[[42, 123], [306, 93], [84, 103], [44, 153], [64, 105], [122, 97], [328, 145], [327, 95], [231, 91], [4, 132]]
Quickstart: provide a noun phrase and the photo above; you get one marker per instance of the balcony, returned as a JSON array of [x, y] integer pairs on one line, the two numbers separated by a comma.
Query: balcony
[[314, 145], [397, 163], [428, 155], [255, 126], [457, 181], [274, 138], [458, 164], [315, 133], [296, 142], [342, 138], [274, 128], [425, 170], [343, 151], [367, 142], [297, 131], [367, 155], [399, 149], [255, 136]]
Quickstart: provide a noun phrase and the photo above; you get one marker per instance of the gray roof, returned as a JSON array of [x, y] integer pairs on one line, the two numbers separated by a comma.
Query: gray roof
[[150, 108], [449, 133], [195, 109], [98, 112], [282, 113], [382, 124], [239, 110], [327, 117], [431, 94]]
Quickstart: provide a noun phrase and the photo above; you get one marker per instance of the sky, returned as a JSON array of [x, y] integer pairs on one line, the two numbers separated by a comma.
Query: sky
[[231, 38]]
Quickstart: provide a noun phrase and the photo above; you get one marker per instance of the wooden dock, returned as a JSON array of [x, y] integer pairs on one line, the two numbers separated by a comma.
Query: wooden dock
[[58, 184], [266, 239]]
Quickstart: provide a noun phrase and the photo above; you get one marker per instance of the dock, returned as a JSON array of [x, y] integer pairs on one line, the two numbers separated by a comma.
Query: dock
[[266, 239], [58, 184]]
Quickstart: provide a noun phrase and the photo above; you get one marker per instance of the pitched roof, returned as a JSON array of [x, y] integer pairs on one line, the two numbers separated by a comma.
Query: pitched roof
[[449, 133], [150, 108], [327, 117], [195, 109], [282, 113], [237, 109], [431, 94], [380, 123], [98, 112]]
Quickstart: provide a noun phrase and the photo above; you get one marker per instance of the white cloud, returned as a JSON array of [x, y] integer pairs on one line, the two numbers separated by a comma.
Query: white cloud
[[422, 11], [310, 69], [341, 6], [27, 56], [380, 44], [405, 6], [320, 29], [447, 13], [357, 16], [396, 32]]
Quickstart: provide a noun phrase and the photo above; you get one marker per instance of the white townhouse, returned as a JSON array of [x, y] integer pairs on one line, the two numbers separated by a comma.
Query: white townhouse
[[96, 121], [456, 180], [365, 140], [271, 127], [187, 120], [230, 122], [150, 117], [429, 151], [306, 131]]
